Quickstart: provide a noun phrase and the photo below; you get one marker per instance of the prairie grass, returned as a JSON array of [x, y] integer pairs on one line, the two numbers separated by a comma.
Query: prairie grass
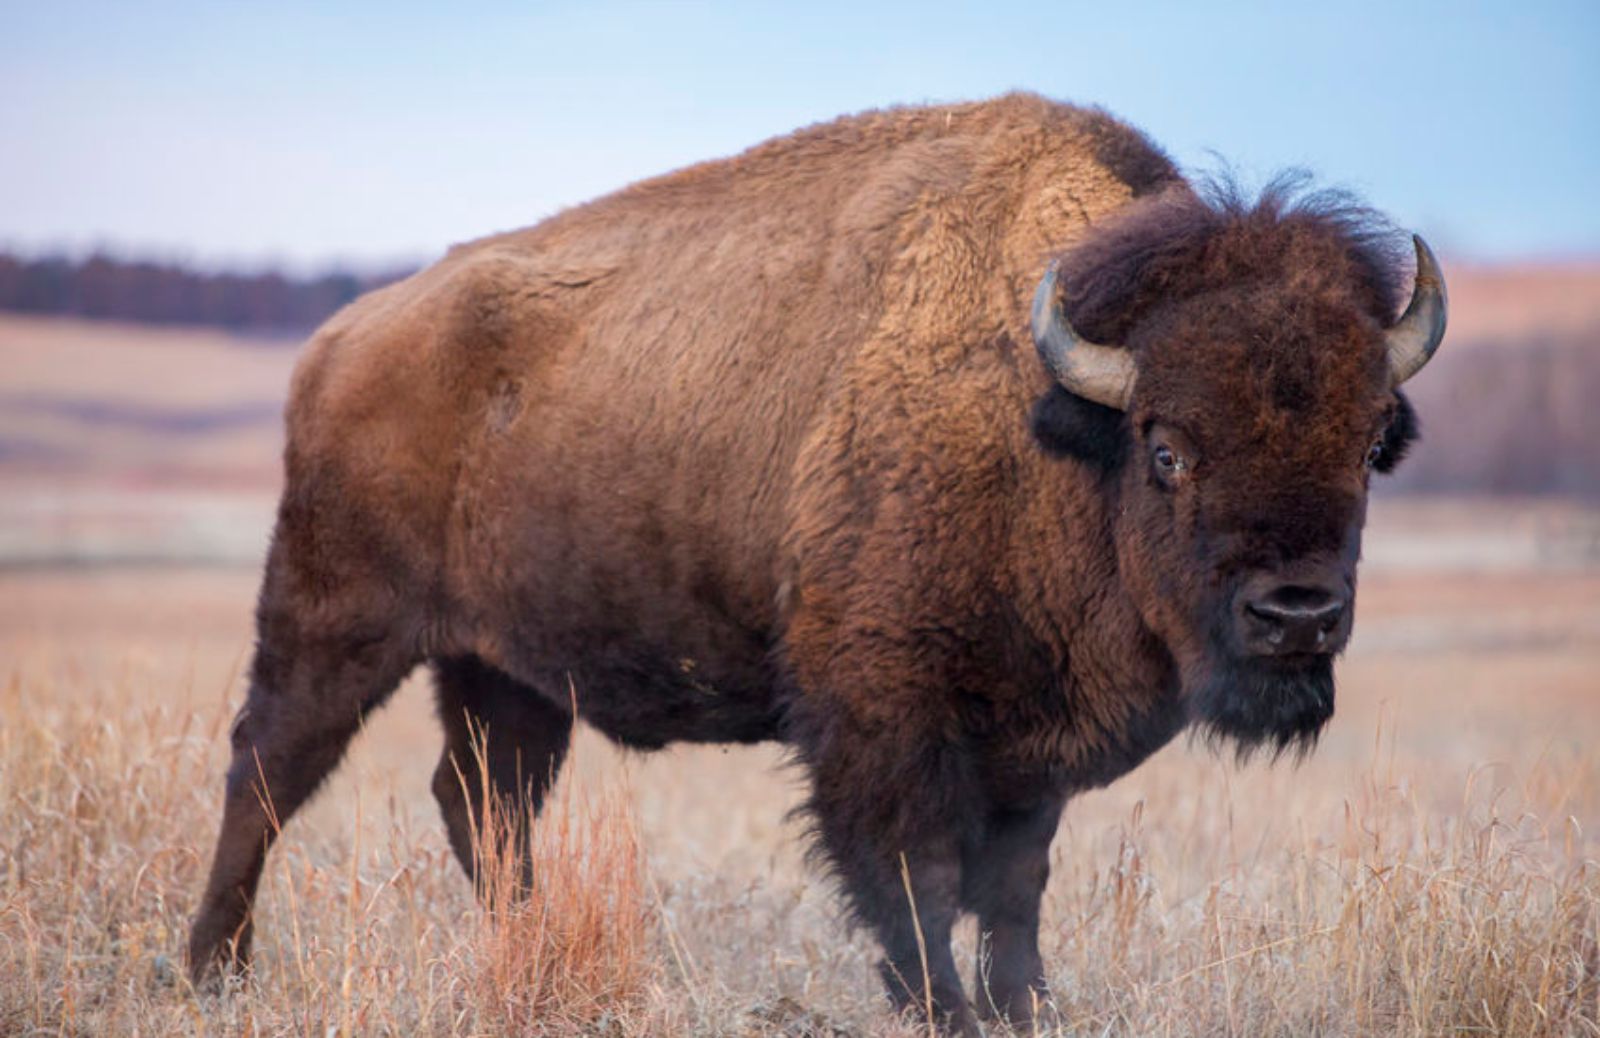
[[563, 949], [1432, 870]]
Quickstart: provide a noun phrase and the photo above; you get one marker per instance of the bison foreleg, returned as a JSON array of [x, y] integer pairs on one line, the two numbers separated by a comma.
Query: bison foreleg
[[915, 919], [891, 815], [1003, 882]]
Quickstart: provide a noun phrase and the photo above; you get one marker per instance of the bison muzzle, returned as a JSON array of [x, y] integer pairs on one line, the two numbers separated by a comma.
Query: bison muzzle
[[970, 451]]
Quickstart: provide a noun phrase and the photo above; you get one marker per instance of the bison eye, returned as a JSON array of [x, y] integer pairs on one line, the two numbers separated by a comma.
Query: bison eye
[[1172, 454], [1374, 452], [1170, 465]]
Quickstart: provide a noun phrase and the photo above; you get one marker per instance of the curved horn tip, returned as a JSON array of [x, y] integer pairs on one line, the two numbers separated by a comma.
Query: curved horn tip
[[1044, 302], [1104, 374], [1428, 270], [1417, 334]]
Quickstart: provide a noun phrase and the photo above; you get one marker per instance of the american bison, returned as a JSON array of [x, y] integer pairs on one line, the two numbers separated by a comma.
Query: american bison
[[970, 451]]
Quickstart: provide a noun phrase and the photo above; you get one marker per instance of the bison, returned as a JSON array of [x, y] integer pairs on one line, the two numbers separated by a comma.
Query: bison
[[970, 451]]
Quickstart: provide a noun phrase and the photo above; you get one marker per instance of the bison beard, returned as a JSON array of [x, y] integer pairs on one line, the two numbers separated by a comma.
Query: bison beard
[[1281, 705], [745, 453]]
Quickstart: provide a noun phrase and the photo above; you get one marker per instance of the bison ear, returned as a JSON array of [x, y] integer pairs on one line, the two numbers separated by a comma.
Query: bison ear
[[1068, 426], [1403, 431]]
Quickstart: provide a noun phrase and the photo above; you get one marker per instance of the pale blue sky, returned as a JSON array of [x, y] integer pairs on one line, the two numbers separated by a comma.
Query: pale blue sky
[[370, 132]]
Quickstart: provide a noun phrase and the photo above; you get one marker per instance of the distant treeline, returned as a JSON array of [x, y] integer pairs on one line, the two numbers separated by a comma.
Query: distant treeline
[[105, 287], [1508, 418]]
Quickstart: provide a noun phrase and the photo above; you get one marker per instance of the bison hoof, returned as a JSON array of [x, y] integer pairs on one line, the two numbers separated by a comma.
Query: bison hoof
[[215, 970], [1030, 1012]]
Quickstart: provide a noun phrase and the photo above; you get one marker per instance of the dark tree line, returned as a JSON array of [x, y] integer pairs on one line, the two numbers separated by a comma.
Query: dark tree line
[[102, 286]]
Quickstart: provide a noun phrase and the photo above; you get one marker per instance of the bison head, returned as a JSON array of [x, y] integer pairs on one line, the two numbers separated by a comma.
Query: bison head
[[1251, 393]]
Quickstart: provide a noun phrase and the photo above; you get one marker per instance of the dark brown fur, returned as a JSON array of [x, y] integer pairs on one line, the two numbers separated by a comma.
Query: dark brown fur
[[746, 452]]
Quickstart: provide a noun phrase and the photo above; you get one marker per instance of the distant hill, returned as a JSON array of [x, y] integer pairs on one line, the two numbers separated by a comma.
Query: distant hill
[[108, 288]]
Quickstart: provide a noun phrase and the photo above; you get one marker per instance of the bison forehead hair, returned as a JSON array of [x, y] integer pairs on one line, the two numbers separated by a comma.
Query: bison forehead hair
[[1192, 240], [1256, 320], [1251, 317]]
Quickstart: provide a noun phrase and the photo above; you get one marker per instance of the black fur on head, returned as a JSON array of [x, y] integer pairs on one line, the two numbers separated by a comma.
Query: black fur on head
[[1404, 429], [1068, 426]]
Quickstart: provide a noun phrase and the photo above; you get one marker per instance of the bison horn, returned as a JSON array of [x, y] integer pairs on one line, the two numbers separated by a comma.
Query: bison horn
[[1417, 334], [1103, 374]]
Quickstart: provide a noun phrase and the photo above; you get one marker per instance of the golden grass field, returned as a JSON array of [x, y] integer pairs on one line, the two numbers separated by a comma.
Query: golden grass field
[[1433, 869], [1430, 870]]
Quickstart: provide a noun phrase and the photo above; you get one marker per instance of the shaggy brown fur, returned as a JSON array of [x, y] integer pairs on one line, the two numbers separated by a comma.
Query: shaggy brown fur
[[745, 451]]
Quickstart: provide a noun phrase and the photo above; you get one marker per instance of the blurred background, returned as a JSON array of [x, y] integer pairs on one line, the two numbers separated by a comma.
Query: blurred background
[[186, 189]]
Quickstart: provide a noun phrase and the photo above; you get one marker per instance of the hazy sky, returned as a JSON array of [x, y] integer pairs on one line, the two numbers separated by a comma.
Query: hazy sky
[[244, 134]]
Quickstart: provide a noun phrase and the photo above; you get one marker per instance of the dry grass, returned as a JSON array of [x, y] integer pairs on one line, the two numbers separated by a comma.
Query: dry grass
[[100, 860], [1432, 870], [566, 953], [1402, 921]]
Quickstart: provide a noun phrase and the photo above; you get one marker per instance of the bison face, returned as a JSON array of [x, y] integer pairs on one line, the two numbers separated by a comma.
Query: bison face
[[1239, 506], [1237, 431]]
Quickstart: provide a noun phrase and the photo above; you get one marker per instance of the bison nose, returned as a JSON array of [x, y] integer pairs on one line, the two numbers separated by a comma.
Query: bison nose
[[1292, 618]]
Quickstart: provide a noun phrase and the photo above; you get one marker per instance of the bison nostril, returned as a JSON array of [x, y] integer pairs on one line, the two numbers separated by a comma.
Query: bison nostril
[[1263, 611], [1294, 618]]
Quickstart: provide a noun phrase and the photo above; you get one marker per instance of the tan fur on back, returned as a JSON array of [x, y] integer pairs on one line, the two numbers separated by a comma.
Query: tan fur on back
[[664, 359]]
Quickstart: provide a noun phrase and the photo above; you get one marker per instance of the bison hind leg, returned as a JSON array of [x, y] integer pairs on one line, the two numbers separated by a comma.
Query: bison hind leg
[[504, 744], [312, 684]]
